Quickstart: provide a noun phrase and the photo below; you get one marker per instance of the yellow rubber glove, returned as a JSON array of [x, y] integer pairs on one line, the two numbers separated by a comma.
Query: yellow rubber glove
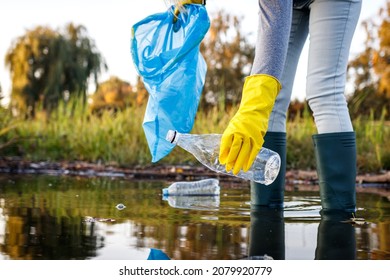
[[181, 3], [243, 137]]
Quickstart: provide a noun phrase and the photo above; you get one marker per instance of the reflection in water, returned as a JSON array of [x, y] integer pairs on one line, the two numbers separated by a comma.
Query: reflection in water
[[33, 233], [43, 217], [193, 202], [336, 237], [382, 250], [267, 233]]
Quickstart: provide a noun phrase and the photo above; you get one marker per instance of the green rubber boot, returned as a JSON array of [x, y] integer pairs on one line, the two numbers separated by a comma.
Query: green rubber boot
[[273, 194], [336, 167]]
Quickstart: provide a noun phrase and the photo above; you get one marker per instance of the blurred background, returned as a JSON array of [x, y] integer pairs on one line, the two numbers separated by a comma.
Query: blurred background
[[72, 107], [91, 107]]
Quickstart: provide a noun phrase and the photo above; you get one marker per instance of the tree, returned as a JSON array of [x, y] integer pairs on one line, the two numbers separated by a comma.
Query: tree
[[142, 93], [381, 57], [229, 60], [370, 69], [47, 66], [113, 94]]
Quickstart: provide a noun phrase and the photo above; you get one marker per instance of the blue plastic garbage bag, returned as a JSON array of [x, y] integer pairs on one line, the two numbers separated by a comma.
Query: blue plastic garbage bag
[[167, 57], [156, 254]]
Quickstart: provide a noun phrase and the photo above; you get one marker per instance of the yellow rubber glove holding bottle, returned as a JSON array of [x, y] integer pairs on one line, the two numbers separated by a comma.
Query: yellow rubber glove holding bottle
[[243, 137]]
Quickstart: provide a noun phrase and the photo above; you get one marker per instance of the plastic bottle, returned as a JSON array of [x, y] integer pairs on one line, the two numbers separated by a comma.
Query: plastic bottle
[[193, 202], [202, 187], [205, 148]]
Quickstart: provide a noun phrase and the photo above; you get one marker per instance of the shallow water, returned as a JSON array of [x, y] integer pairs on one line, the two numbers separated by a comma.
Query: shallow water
[[55, 217]]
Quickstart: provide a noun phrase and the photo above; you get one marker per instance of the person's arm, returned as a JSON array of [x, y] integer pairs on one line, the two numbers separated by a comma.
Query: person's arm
[[243, 137]]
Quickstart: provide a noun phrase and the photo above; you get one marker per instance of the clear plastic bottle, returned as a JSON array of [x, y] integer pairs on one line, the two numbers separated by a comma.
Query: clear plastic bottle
[[193, 202], [202, 187], [205, 148]]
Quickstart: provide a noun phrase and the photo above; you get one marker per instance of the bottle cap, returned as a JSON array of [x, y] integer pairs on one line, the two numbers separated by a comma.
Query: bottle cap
[[165, 192], [171, 136]]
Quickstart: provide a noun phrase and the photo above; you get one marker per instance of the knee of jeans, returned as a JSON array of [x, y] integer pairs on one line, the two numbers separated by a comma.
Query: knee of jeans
[[330, 113], [321, 101]]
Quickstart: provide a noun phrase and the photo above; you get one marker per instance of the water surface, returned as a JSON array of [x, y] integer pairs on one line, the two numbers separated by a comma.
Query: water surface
[[60, 217]]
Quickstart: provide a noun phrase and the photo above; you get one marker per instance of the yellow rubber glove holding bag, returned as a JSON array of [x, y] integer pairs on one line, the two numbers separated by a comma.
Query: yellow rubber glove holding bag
[[181, 3], [243, 137]]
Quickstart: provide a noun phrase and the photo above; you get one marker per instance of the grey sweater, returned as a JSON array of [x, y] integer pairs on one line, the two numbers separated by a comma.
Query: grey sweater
[[272, 37]]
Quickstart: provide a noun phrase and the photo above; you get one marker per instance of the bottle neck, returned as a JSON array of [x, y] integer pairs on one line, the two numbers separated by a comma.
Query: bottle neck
[[173, 136]]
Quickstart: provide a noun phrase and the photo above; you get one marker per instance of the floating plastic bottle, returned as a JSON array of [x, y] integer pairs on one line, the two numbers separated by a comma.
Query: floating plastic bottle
[[208, 203], [205, 148], [202, 187]]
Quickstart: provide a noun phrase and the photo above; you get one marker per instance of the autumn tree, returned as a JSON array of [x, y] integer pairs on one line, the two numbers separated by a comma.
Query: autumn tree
[[370, 70], [142, 93], [48, 65], [229, 59], [381, 56], [113, 94]]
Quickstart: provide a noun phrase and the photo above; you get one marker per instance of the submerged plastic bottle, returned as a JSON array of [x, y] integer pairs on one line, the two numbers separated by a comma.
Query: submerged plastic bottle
[[202, 187], [205, 148]]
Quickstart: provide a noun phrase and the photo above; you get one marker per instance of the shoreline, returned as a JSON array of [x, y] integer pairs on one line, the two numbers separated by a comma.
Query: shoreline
[[158, 171]]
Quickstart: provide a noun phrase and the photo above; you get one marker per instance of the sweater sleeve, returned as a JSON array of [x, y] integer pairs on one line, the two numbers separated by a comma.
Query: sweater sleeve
[[272, 37]]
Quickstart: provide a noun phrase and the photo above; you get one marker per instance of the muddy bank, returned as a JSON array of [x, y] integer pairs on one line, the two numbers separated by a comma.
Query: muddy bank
[[156, 171]]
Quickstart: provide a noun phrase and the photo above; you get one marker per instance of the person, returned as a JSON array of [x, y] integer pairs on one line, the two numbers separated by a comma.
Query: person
[[261, 117], [283, 28]]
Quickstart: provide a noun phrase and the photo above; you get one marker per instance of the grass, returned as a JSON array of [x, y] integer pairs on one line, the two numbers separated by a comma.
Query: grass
[[119, 138], [373, 143], [300, 151], [82, 136]]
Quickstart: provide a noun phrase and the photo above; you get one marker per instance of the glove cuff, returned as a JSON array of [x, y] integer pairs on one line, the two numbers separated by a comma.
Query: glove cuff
[[185, 2], [200, 2], [259, 92], [265, 77]]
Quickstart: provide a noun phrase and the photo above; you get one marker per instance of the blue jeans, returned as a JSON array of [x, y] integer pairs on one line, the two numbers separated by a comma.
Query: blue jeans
[[330, 25]]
